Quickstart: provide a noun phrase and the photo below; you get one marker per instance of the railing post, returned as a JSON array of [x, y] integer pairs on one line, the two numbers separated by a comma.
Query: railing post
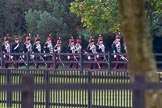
[[109, 61], [89, 90], [54, 60], [47, 91], [139, 94], [28, 57], [28, 95], [81, 62], [2, 60], [9, 93]]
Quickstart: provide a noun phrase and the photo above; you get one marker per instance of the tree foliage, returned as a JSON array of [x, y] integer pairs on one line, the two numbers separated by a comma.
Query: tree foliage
[[102, 16], [51, 17], [12, 16], [153, 10], [99, 16]]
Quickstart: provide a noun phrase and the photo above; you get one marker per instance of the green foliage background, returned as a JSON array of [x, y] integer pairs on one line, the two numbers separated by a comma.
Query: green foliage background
[[65, 18], [102, 16]]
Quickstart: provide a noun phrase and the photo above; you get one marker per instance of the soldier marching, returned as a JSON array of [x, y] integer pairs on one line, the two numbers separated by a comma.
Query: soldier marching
[[48, 50], [91, 49], [44, 54], [118, 50], [79, 50], [6, 50], [15, 50], [37, 49], [71, 50], [57, 50], [100, 48]]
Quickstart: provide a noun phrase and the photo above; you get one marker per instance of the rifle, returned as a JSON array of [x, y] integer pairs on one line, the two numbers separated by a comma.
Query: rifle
[[43, 60], [33, 61], [94, 59], [61, 61], [97, 63], [106, 60], [23, 60], [124, 58], [12, 59], [76, 60]]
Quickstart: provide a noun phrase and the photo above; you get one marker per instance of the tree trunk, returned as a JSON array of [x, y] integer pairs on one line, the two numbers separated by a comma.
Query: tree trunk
[[139, 45]]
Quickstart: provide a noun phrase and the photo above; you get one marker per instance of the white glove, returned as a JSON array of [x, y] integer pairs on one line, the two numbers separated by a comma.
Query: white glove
[[68, 57], [105, 58], [89, 57], [57, 58], [97, 56], [122, 57], [45, 55], [85, 52], [114, 56], [32, 56], [23, 56], [4, 56], [11, 57]]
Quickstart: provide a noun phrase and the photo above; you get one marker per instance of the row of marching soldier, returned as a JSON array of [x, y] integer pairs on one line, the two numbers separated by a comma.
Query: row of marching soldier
[[93, 52], [32, 50]]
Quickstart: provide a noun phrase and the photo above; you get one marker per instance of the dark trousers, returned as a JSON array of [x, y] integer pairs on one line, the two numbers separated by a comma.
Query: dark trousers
[[56, 61], [99, 59], [6, 58], [90, 65], [71, 64], [74, 59], [117, 65], [77, 64], [16, 64], [37, 62], [49, 59]]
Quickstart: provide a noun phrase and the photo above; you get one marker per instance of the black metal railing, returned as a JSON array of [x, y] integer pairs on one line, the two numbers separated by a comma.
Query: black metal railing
[[26, 62], [107, 63], [66, 97], [88, 93], [76, 85]]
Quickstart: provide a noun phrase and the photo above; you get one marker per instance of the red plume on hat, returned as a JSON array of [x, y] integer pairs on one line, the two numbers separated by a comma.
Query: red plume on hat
[[117, 36], [27, 37], [71, 39], [58, 41], [100, 38], [49, 37], [5, 38], [78, 39], [90, 38], [37, 38]]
